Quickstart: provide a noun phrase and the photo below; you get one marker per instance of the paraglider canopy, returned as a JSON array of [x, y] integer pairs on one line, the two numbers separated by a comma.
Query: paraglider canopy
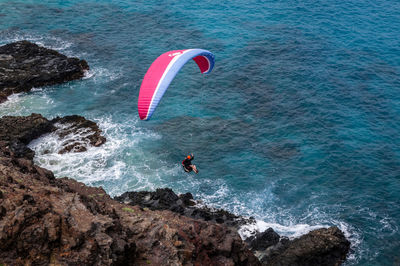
[[162, 71]]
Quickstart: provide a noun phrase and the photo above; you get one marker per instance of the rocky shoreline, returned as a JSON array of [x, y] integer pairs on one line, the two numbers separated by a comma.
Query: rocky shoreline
[[60, 221], [325, 246], [44, 220], [24, 65]]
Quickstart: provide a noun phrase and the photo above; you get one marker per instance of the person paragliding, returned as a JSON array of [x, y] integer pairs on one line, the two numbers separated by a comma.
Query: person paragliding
[[187, 164], [158, 77], [161, 73]]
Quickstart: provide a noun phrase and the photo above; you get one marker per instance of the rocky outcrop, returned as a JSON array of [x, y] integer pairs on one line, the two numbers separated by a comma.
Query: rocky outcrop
[[262, 240], [78, 133], [24, 65], [19, 131], [45, 221], [166, 199], [326, 246]]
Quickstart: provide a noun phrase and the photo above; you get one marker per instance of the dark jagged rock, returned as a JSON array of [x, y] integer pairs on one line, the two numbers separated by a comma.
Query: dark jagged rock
[[161, 199], [325, 246], [19, 131], [89, 133], [319, 247], [24, 128], [24, 65], [166, 199], [263, 240], [48, 221], [42, 224]]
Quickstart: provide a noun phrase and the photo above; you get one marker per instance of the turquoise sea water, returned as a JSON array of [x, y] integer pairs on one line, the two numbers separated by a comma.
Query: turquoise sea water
[[298, 124]]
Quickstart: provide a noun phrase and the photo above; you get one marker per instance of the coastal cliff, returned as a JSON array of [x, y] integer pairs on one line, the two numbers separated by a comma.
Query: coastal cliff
[[48, 220], [324, 246]]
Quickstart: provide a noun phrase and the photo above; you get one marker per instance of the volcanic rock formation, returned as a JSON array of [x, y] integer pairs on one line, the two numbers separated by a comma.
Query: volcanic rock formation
[[24, 65], [75, 132], [166, 199], [325, 246], [78, 133]]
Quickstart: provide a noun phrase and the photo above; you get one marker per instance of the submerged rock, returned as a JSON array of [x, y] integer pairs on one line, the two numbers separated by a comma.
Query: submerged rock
[[24, 65]]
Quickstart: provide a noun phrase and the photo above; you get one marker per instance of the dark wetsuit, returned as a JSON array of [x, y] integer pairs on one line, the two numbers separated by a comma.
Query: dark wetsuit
[[187, 162]]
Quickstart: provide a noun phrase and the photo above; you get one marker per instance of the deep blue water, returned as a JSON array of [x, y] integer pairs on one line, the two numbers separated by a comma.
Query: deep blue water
[[297, 125]]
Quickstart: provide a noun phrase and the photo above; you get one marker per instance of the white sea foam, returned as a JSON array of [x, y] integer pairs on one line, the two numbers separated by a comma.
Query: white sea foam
[[291, 231], [355, 239], [82, 166], [87, 74], [107, 163], [101, 74], [26, 103], [12, 106]]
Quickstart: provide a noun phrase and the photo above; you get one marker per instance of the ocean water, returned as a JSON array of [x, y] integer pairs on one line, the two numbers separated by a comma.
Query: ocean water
[[298, 124]]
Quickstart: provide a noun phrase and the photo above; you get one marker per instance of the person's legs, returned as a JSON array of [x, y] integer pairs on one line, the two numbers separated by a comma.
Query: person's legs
[[194, 168]]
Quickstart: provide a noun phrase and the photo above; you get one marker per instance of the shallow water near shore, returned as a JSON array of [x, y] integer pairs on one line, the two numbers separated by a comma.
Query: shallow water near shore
[[298, 124]]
